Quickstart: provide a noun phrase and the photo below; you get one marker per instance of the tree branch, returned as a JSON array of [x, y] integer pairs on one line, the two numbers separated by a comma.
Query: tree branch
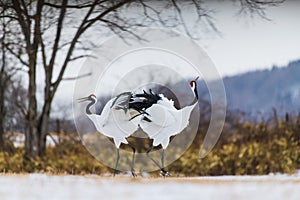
[[24, 26], [58, 34], [77, 77], [81, 56], [80, 30], [17, 56], [80, 6]]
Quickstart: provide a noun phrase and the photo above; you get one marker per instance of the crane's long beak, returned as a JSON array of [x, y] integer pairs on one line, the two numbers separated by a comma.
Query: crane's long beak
[[196, 78], [82, 99]]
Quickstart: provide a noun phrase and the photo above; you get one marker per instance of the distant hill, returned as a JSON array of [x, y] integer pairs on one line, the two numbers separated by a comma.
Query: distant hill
[[260, 91]]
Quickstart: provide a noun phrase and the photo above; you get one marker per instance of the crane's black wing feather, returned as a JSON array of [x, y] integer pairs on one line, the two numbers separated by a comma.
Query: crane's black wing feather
[[139, 102], [143, 101], [149, 97]]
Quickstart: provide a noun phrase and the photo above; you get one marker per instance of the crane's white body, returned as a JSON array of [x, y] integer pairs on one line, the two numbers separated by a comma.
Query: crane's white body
[[165, 121], [115, 123]]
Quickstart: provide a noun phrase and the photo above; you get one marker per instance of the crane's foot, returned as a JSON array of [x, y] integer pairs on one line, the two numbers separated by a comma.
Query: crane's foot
[[133, 173], [115, 172], [164, 173]]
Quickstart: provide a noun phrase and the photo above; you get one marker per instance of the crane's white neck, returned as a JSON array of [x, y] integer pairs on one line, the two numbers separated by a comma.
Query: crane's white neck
[[186, 111], [195, 92]]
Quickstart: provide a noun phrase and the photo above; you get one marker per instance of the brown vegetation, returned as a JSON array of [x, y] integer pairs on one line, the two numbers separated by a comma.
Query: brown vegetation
[[246, 148]]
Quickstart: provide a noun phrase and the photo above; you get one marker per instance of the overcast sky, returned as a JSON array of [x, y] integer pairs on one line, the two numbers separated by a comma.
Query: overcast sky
[[247, 44]]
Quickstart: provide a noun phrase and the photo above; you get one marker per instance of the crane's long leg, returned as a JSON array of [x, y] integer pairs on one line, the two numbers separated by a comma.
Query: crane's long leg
[[132, 163], [117, 161], [163, 159], [163, 171], [148, 154]]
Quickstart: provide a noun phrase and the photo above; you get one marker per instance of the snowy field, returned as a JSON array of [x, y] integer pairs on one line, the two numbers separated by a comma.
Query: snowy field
[[46, 187]]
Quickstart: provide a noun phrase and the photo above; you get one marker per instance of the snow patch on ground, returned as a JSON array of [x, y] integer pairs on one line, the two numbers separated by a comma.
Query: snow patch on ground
[[46, 187]]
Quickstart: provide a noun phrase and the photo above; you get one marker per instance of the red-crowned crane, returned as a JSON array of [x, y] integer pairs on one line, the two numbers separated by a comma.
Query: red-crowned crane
[[116, 121], [162, 120]]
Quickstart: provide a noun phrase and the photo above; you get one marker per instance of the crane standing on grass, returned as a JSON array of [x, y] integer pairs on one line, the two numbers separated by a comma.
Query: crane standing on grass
[[115, 121], [162, 120]]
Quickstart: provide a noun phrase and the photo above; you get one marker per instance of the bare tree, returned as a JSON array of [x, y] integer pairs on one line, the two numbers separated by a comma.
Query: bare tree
[[3, 86], [38, 29], [7, 71]]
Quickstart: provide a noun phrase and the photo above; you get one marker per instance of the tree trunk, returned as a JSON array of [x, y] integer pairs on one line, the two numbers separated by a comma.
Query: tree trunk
[[32, 136], [3, 88], [2, 142], [43, 127], [31, 132], [2, 108]]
